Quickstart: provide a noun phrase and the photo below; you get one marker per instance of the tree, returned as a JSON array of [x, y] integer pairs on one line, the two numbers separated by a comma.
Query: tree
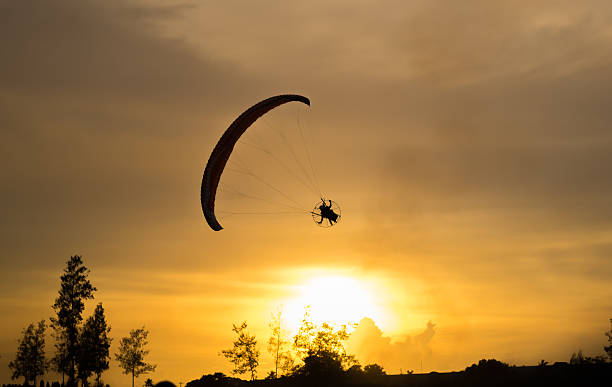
[[244, 354], [287, 363], [30, 358], [59, 362], [94, 344], [132, 353], [488, 367], [330, 340], [608, 348], [321, 366], [374, 370], [355, 371], [277, 346], [148, 383], [579, 358], [324, 341], [321, 349], [75, 288], [302, 341]]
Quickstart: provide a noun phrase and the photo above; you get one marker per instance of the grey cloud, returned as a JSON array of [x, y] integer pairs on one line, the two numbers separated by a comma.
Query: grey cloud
[[103, 117], [105, 49]]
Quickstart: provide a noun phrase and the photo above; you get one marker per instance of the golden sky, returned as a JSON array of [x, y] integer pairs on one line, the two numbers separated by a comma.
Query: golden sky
[[468, 144]]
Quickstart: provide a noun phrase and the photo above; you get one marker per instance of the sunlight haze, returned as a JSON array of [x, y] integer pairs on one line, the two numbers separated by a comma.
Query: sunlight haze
[[468, 145]]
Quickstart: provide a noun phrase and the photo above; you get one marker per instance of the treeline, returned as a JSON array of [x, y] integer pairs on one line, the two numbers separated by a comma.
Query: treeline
[[314, 353], [82, 350], [316, 356], [487, 372]]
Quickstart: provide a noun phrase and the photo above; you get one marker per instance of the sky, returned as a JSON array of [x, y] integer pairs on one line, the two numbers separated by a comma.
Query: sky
[[467, 143]]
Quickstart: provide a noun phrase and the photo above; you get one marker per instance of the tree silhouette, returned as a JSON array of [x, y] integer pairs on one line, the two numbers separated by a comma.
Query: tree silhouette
[[94, 345], [373, 370], [30, 358], [244, 355], [322, 350], [277, 346], [59, 362], [579, 358], [75, 288], [303, 340], [132, 352], [324, 340], [322, 366], [488, 366], [355, 371], [608, 348]]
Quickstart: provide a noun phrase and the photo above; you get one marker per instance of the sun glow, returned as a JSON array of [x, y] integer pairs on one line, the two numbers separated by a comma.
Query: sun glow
[[334, 299]]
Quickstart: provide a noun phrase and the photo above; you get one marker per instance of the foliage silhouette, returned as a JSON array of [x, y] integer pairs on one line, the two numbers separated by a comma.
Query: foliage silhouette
[[132, 351], [487, 366], [244, 354], [579, 358], [321, 348], [164, 384], [216, 379], [354, 373], [30, 358], [75, 288], [277, 346], [608, 348], [59, 362], [373, 370], [94, 344], [321, 365]]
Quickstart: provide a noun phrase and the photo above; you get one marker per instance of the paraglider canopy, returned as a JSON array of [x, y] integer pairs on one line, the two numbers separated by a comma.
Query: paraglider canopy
[[222, 151]]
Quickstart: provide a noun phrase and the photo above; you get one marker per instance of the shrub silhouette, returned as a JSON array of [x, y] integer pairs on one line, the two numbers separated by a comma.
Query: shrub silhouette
[[216, 379], [373, 370], [322, 365], [489, 366]]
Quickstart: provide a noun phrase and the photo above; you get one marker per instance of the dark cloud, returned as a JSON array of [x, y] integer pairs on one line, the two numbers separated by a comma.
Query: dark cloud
[[108, 50], [96, 107]]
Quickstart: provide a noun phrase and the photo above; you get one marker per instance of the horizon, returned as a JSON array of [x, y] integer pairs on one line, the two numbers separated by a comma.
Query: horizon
[[467, 145]]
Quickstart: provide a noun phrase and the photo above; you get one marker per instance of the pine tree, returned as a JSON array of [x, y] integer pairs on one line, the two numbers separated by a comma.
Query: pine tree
[[75, 288], [94, 344]]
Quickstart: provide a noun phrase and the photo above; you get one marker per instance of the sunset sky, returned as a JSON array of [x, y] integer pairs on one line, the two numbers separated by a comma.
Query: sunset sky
[[468, 143]]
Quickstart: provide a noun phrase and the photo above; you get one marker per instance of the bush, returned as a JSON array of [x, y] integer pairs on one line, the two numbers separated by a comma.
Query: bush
[[322, 365], [373, 370], [487, 366]]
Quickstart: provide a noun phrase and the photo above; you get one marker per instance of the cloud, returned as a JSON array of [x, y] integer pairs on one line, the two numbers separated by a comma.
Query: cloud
[[466, 143], [96, 106], [370, 345]]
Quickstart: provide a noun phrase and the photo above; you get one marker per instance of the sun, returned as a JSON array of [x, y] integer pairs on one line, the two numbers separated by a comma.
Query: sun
[[334, 299]]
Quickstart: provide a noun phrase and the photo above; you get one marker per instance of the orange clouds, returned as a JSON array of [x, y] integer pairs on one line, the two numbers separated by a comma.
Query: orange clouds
[[370, 345]]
